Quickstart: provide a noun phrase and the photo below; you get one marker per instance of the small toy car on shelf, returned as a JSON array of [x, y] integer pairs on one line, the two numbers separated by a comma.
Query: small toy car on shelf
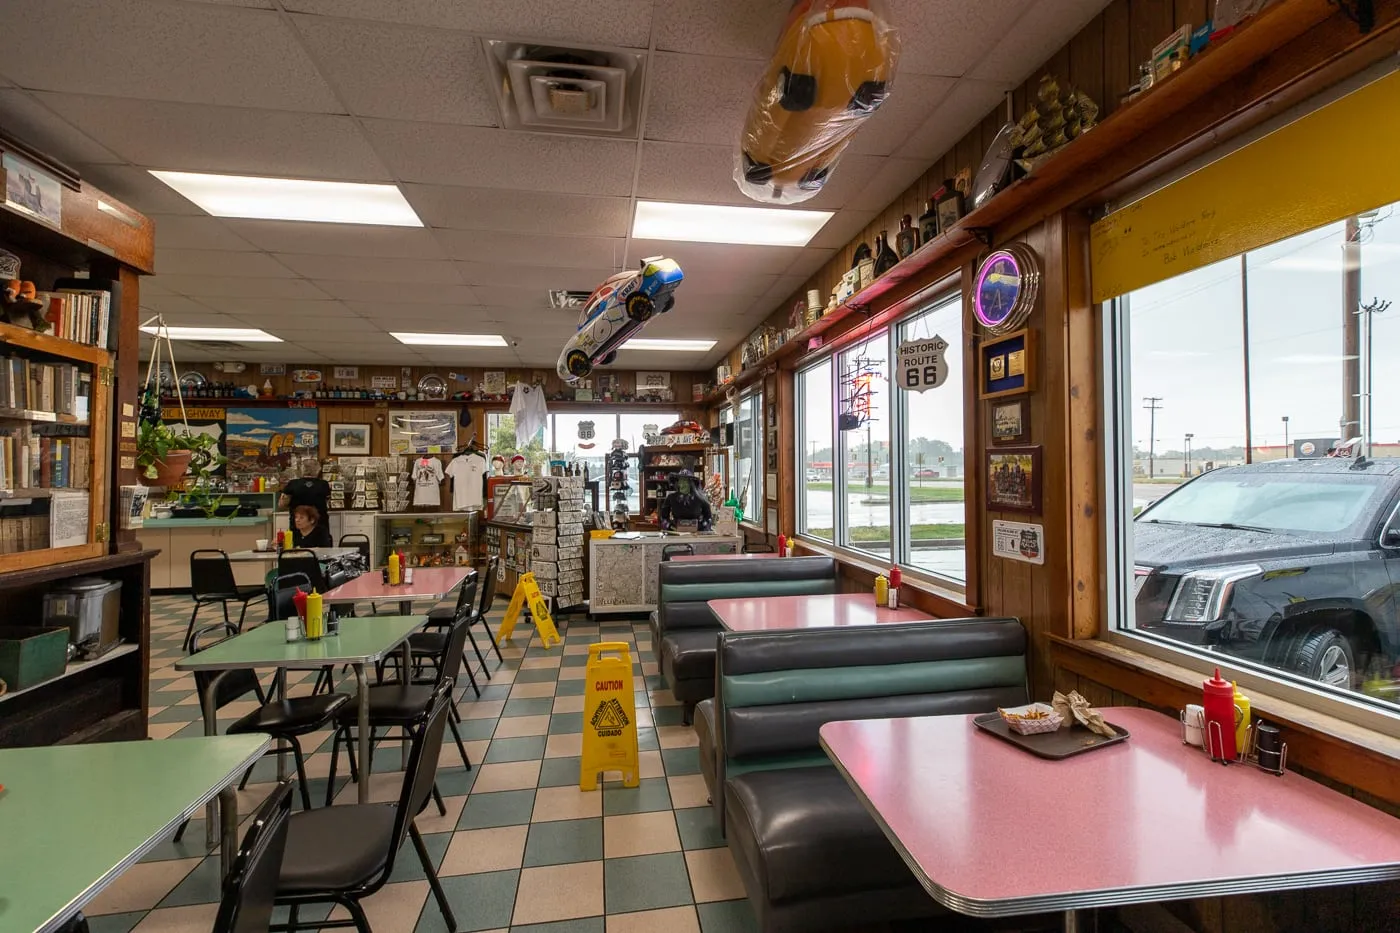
[[615, 311]]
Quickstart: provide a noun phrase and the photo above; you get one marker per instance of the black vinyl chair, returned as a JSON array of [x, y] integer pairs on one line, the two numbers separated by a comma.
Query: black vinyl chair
[[345, 854], [250, 891], [671, 550], [357, 541], [304, 561], [211, 581], [442, 616], [400, 705], [427, 647]]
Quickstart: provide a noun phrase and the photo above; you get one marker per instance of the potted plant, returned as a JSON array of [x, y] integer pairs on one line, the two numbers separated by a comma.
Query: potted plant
[[164, 454]]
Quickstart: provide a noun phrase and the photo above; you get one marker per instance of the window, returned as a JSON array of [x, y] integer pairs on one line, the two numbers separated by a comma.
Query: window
[[815, 501], [1245, 542], [500, 434], [880, 469], [748, 462]]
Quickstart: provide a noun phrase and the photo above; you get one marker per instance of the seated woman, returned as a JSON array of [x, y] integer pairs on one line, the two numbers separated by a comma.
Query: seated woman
[[307, 529]]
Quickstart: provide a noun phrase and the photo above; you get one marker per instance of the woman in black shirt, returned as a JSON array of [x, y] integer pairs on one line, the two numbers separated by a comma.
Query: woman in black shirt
[[307, 528]]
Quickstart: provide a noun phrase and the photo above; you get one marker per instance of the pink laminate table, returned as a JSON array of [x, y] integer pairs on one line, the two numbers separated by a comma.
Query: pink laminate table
[[992, 831], [723, 556], [786, 613], [428, 583]]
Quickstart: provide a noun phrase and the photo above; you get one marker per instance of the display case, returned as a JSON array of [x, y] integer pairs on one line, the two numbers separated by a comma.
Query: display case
[[427, 539], [511, 543], [658, 463]]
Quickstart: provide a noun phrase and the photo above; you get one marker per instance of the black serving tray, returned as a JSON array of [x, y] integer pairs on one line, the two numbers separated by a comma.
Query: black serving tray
[[1062, 743]]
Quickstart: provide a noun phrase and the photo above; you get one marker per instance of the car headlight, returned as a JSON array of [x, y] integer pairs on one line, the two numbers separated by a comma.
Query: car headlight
[[1201, 595]]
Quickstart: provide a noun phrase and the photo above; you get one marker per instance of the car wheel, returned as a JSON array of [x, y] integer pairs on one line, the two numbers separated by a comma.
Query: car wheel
[[1327, 657], [608, 360], [755, 172], [868, 97], [797, 92], [577, 363], [640, 307]]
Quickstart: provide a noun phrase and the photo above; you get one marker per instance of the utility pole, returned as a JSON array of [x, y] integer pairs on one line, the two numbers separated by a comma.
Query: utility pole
[[1377, 306], [1150, 403], [1287, 450], [1188, 455]]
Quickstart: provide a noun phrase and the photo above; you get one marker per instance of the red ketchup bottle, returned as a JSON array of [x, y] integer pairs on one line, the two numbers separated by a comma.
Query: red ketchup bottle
[[1219, 703], [782, 545]]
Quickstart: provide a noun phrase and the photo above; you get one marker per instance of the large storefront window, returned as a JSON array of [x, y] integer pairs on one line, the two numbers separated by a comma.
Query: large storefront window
[[748, 460], [880, 469], [1250, 543]]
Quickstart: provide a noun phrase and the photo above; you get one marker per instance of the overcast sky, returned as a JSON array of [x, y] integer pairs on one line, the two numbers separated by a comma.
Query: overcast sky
[[1187, 343]]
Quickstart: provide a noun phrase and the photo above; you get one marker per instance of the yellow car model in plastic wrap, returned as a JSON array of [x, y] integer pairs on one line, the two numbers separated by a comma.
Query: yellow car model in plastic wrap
[[832, 70]]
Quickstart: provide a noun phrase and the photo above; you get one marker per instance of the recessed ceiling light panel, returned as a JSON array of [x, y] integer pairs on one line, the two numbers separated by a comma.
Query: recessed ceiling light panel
[[330, 202], [235, 334], [680, 346], [717, 223], [450, 340]]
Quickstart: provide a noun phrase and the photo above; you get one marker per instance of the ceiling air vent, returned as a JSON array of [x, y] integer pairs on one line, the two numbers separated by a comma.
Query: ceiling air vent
[[552, 89], [567, 300]]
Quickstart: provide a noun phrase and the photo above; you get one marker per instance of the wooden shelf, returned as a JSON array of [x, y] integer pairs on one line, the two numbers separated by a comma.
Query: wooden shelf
[[503, 404], [75, 667], [46, 417], [57, 346]]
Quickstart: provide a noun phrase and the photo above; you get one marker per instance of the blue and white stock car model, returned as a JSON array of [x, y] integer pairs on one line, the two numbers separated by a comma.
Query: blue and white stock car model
[[615, 311]]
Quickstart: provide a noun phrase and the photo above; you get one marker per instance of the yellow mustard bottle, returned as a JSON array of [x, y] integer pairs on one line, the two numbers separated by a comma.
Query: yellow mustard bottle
[[286, 540], [393, 569], [315, 616], [1241, 721], [882, 590]]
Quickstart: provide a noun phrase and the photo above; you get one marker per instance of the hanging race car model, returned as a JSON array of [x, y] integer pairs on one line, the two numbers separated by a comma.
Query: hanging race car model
[[615, 311], [831, 71]]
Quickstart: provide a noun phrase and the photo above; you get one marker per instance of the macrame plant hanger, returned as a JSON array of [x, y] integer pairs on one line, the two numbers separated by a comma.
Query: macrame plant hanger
[[162, 340]]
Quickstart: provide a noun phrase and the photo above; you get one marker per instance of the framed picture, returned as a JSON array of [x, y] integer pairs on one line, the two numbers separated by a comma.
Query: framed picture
[[1007, 365], [350, 439], [1013, 479], [1009, 422]]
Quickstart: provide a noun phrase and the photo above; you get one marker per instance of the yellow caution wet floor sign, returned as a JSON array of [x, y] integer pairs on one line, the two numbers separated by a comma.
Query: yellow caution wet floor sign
[[609, 716], [527, 593]]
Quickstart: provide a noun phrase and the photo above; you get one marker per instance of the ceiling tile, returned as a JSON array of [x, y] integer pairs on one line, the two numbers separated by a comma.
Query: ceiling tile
[[193, 53], [779, 291], [172, 304], [677, 113], [285, 236], [277, 308], [888, 182], [948, 37], [219, 286], [403, 73], [179, 231], [343, 326], [412, 272], [535, 279], [721, 282], [139, 189], [25, 118], [695, 257], [708, 309], [434, 153], [601, 22], [967, 104], [809, 262], [195, 138], [518, 211], [532, 298], [402, 312], [219, 262], [727, 28], [1037, 35], [463, 358], [914, 97], [252, 4], [422, 293], [842, 228], [704, 174], [581, 252]]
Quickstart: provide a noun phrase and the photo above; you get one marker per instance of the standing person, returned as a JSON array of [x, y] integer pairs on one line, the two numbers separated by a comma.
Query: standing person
[[307, 528], [309, 490]]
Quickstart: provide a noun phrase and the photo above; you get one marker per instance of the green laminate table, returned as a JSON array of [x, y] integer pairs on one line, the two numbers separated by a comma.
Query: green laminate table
[[74, 817], [361, 642]]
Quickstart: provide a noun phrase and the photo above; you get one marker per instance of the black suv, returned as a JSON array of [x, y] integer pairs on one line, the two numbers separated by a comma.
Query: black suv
[[1290, 563]]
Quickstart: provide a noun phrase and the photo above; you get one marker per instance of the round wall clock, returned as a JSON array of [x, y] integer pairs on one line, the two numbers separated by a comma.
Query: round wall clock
[[1006, 288]]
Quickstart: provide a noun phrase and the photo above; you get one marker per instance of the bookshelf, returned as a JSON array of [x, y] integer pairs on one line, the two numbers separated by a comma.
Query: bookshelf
[[67, 442]]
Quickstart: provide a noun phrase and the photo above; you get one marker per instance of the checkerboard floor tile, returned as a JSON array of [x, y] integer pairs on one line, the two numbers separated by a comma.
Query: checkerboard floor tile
[[521, 848]]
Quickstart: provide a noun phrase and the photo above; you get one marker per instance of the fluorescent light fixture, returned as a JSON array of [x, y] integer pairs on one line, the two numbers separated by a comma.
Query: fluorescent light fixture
[[714, 223], [235, 334], [451, 340], [330, 202], [683, 346]]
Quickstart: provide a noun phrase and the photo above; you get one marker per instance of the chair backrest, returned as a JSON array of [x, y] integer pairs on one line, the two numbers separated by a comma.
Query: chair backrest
[[456, 642], [211, 574], [466, 595], [251, 888], [283, 590], [233, 684], [488, 587], [684, 588], [421, 772], [671, 550], [301, 560], [357, 541]]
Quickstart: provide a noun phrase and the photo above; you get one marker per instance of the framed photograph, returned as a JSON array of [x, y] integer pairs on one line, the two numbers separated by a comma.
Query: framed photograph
[[1013, 479], [32, 190], [350, 439], [1009, 422]]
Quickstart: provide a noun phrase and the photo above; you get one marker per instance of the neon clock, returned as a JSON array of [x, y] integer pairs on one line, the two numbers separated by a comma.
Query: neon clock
[[1006, 288]]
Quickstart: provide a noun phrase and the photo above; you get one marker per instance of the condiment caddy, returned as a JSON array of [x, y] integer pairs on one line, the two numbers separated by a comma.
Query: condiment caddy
[[1222, 727]]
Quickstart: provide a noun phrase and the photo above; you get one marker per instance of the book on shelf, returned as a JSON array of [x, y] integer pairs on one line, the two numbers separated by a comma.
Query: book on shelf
[[79, 314], [55, 388], [30, 460]]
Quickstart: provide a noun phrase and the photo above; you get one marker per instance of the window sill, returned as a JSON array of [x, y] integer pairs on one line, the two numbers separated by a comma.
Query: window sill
[[947, 603], [1319, 744]]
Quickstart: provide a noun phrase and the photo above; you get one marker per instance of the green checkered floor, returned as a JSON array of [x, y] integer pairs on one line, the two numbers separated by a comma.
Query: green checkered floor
[[521, 847]]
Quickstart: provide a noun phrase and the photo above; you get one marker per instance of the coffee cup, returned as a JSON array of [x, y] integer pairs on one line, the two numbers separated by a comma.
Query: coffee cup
[[262, 544]]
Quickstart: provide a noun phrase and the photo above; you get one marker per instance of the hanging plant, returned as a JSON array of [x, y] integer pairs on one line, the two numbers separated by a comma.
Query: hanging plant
[[174, 456]]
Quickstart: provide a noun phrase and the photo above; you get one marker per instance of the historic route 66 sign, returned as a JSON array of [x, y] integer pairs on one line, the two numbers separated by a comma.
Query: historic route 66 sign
[[586, 433], [921, 364]]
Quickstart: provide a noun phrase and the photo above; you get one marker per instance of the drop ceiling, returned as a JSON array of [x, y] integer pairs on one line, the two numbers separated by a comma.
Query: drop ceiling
[[396, 91]]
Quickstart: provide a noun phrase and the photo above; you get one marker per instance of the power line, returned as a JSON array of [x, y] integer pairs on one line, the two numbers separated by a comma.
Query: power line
[[1150, 403]]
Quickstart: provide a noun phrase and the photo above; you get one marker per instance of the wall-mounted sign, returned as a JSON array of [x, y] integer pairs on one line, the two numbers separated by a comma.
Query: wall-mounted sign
[[272, 369], [347, 372], [1019, 541], [1006, 288], [384, 382], [922, 365], [306, 375]]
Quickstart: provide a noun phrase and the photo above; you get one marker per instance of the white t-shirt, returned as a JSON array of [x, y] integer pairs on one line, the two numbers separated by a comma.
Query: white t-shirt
[[427, 474], [467, 472], [527, 405]]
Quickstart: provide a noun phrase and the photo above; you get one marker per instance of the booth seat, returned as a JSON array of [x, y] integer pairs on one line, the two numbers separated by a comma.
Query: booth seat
[[810, 856], [683, 627]]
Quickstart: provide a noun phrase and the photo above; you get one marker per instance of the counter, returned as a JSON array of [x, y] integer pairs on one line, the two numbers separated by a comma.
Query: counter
[[233, 522], [622, 572], [511, 543], [176, 538]]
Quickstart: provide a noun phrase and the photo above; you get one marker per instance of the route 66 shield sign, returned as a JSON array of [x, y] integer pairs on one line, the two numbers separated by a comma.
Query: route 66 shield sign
[[921, 364], [585, 431]]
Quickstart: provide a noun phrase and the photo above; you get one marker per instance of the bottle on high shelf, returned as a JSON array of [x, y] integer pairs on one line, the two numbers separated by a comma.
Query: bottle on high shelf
[[928, 222], [908, 239], [885, 258]]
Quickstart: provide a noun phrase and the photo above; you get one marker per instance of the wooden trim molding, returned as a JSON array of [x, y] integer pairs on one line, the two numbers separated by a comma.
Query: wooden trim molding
[[1318, 744]]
